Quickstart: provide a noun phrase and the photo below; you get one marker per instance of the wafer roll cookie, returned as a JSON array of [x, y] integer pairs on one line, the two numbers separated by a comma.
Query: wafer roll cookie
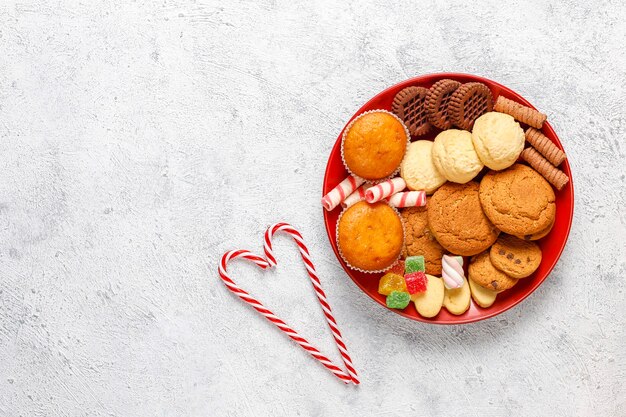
[[545, 146], [355, 197], [554, 175], [520, 112]]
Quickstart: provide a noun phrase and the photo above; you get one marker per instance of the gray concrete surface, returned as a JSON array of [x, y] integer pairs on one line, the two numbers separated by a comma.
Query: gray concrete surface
[[138, 141]]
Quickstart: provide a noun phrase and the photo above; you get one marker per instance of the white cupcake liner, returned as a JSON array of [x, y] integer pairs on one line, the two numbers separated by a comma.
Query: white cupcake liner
[[408, 142], [363, 270]]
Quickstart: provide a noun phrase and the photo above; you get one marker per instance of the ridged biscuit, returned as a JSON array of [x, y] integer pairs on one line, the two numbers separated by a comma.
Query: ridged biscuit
[[410, 106], [518, 200], [468, 102], [437, 101], [457, 220]]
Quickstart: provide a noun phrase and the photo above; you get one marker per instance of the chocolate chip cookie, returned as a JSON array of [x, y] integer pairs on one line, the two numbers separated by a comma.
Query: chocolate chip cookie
[[515, 257], [483, 273]]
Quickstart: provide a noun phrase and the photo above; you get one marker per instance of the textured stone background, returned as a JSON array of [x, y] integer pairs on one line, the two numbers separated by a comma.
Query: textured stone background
[[139, 141]]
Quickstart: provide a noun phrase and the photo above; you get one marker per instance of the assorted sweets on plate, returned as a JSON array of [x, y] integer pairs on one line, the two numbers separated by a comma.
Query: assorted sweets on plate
[[441, 222]]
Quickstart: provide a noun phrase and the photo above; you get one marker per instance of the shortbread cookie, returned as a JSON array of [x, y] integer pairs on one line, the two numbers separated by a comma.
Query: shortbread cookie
[[498, 140], [410, 106], [457, 300], [418, 170], [518, 200], [482, 296], [428, 303], [437, 101], [457, 220], [515, 257], [520, 112], [482, 271], [418, 239], [468, 103], [455, 157]]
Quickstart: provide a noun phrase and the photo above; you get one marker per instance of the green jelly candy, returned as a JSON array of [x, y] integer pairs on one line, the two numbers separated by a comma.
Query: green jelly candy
[[414, 264], [398, 299]]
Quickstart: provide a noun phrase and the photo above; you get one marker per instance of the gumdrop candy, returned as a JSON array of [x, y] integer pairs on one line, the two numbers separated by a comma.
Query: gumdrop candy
[[398, 267], [414, 264], [416, 282], [398, 299], [391, 282]]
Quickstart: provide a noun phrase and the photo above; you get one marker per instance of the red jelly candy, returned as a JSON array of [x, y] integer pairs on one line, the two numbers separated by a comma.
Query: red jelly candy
[[416, 282], [398, 267]]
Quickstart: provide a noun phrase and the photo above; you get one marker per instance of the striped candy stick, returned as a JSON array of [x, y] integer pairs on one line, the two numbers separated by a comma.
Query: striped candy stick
[[384, 189], [408, 199], [355, 197], [340, 192], [269, 261]]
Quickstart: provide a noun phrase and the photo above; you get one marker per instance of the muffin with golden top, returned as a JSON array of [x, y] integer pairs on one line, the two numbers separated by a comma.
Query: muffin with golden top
[[374, 145], [370, 236]]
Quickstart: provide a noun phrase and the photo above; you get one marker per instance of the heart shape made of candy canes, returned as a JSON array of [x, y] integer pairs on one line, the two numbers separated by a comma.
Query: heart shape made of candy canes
[[269, 261]]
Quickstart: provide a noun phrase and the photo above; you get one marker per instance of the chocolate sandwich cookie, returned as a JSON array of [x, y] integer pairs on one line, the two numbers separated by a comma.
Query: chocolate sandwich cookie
[[469, 102], [437, 101], [409, 105]]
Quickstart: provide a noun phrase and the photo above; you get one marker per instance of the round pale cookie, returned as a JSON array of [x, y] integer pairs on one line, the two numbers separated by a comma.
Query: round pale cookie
[[482, 296], [457, 300], [437, 101], [498, 140], [455, 157], [428, 303], [515, 257], [418, 240], [482, 271], [457, 220], [418, 170], [410, 106], [518, 200]]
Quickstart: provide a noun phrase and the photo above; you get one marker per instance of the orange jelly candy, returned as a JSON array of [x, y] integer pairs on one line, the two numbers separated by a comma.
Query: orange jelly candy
[[391, 282]]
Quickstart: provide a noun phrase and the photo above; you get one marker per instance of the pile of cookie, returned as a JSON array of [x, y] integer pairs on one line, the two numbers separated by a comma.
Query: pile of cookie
[[467, 224]]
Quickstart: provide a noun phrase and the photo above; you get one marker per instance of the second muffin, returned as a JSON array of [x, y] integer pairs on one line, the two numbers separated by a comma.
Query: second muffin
[[370, 236]]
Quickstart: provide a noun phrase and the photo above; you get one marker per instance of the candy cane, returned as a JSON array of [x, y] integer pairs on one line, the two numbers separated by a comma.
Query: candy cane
[[384, 189], [408, 199], [340, 192], [355, 197], [269, 261]]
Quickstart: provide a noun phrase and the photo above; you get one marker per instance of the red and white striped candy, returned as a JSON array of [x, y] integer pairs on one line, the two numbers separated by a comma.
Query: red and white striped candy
[[384, 189], [269, 261], [408, 199], [355, 197], [340, 192]]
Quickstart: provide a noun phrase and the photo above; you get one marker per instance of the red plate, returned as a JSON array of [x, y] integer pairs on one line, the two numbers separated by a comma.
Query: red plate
[[552, 245]]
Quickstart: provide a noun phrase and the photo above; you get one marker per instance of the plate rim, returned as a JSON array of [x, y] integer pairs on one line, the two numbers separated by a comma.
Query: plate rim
[[488, 314]]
